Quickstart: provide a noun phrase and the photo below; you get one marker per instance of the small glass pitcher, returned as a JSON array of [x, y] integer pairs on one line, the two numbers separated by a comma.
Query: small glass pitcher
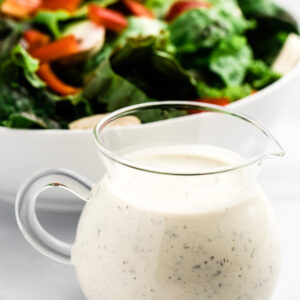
[[178, 215]]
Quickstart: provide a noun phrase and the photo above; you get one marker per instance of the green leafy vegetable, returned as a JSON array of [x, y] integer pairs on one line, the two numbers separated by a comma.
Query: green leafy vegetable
[[29, 65], [109, 91], [160, 77], [267, 9], [10, 35], [139, 28], [224, 51], [232, 93], [260, 75], [160, 7], [273, 26], [204, 28], [51, 21], [26, 103], [231, 60]]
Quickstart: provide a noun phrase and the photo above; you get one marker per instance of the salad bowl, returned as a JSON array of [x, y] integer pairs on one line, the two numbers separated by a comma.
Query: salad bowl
[[25, 151]]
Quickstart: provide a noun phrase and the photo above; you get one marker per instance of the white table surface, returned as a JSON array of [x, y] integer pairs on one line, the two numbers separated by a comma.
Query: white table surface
[[27, 275]]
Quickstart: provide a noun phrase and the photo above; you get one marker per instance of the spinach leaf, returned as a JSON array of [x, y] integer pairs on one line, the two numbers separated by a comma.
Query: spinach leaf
[[273, 26], [108, 91], [25, 101], [20, 108], [154, 71], [204, 28], [268, 9], [231, 59], [10, 35], [94, 61]]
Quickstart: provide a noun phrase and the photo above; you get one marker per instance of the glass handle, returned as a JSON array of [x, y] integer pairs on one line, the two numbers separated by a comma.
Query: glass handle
[[25, 210]]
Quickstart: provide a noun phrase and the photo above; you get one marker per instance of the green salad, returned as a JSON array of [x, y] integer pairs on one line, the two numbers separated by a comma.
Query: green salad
[[62, 60]]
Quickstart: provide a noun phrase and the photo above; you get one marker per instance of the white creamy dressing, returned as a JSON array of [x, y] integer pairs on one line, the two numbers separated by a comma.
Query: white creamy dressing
[[164, 237]]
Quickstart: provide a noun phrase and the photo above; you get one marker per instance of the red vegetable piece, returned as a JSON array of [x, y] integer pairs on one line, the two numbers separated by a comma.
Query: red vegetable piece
[[35, 38], [68, 5], [180, 7], [19, 8], [54, 83], [138, 9], [107, 18], [61, 48], [217, 101]]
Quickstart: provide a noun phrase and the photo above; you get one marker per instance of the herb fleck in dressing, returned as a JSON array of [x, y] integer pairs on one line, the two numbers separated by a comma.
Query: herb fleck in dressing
[[159, 237]]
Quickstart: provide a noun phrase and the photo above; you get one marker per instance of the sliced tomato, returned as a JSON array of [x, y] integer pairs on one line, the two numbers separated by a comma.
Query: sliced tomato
[[217, 101], [61, 48], [54, 83], [35, 38], [69, 5], [107, 18], [20, 8], [180, 7], [138, 9]]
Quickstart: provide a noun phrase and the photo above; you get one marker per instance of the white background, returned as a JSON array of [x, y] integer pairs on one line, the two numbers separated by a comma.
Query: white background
[[27, 275]]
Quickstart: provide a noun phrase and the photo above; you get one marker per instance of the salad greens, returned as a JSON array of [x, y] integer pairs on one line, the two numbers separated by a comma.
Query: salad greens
[[224, 50]]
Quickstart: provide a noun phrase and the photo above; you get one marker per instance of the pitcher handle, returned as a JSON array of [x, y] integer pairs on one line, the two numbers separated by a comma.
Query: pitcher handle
[[25, 209]]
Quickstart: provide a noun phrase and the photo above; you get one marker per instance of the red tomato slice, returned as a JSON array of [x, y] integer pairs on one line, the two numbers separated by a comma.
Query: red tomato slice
[[180, 7], [107, 18], [138, 9]]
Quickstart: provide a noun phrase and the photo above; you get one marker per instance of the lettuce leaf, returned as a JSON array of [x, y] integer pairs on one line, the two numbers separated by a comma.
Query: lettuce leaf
[[260, 75], [204, 28], [231, 59], [159, 7], [233, 93], [51, 20], [29, 65]]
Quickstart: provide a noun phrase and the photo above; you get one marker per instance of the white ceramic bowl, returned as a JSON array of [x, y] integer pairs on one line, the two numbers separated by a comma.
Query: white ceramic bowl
[[23, 152]]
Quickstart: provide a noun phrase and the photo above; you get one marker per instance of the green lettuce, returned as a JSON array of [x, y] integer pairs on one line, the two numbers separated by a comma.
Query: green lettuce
[[260, 75], [52, 21], [204, 28], [231, 59], [233, 93]]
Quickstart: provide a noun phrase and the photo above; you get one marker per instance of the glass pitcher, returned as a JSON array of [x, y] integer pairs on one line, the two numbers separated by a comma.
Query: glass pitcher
[[178, 215]]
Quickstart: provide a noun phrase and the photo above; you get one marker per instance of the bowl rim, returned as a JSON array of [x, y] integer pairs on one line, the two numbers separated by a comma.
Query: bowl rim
[[234, 105]]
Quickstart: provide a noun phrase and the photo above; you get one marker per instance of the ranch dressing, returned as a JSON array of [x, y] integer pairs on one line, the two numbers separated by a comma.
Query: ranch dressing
[[161, 237]]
